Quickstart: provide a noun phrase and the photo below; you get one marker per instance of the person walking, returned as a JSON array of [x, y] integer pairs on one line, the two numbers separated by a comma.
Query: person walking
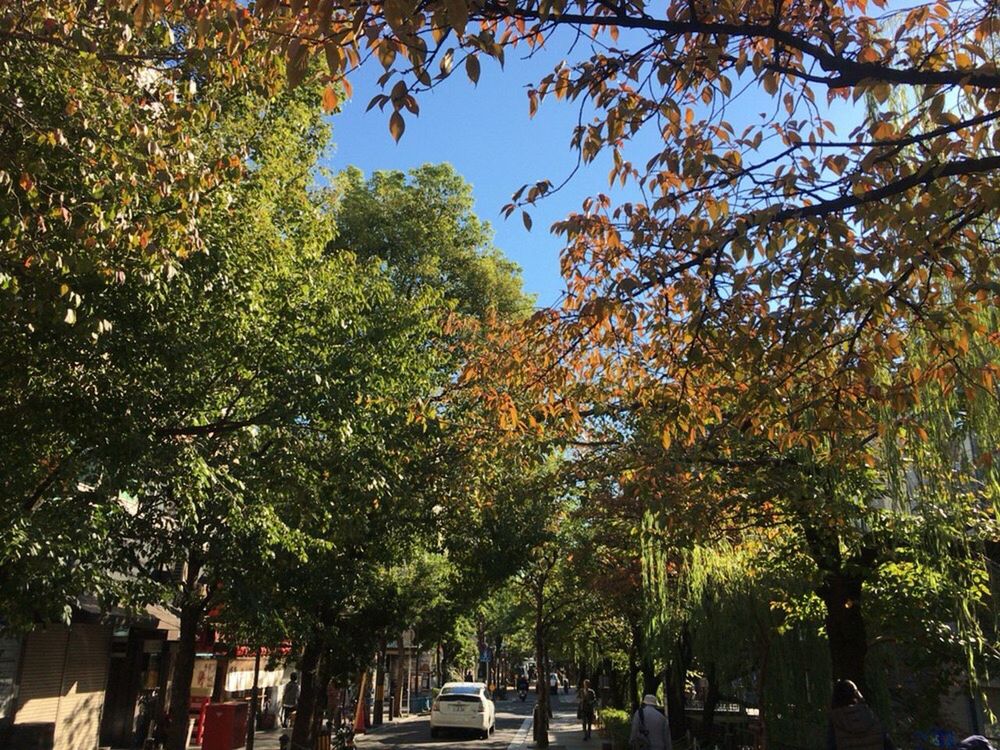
[[289, 699], [853, 725], [586, 704], [650, 728]]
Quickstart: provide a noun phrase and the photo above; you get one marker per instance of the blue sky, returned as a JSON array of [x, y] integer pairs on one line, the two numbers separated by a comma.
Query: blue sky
[[486, 134]]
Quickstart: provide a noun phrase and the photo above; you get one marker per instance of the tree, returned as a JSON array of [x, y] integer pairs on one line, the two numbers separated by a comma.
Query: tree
[[439, 491], [421, 225], [101, 188], [791, 240], [204, 387]]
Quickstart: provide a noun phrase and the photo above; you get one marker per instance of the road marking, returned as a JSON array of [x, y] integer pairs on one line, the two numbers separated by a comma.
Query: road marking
[[521, 738]]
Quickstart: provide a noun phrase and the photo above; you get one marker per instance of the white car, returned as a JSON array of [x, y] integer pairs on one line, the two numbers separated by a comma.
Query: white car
[[463, 705]]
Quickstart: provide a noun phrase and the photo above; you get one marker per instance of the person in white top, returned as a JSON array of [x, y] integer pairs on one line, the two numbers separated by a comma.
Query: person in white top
[[650, 728]]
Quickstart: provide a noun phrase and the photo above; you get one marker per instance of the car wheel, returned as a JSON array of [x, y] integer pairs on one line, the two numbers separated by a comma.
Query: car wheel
[[485, 734], [434, 733]]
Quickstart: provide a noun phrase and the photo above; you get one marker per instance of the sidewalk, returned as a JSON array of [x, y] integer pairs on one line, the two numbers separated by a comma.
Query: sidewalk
[[565, 730]]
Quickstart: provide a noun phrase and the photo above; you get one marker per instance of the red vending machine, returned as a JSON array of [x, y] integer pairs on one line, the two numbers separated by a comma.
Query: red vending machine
[[225, 726]]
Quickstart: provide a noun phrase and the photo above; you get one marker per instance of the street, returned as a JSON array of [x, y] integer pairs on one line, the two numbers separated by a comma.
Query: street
[[513, 731]]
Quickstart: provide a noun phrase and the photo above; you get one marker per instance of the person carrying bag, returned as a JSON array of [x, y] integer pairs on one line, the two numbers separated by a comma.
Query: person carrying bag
[[650, 728]]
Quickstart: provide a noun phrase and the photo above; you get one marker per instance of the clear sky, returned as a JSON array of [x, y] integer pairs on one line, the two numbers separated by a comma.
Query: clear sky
[[486, 134]]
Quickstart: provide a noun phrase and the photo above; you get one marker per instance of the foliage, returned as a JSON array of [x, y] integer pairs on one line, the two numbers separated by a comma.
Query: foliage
[[421, 226], [617, 726]]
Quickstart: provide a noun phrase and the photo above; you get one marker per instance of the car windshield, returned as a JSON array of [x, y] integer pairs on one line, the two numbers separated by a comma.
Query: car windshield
[[460, 690]]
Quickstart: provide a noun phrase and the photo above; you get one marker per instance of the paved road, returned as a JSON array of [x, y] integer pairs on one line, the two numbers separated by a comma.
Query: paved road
[[513, 731]]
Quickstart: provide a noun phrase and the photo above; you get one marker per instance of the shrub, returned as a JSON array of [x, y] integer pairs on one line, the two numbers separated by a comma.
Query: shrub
[[617, 725]]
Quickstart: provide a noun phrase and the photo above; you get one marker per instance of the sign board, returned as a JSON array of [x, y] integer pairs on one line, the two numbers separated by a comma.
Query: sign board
[[203, 679]]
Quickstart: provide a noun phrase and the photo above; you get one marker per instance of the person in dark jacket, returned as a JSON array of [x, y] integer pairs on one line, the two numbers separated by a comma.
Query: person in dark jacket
[[586, 707], [853, 725]]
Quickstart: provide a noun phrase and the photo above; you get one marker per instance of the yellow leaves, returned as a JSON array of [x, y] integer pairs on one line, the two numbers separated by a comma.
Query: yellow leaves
[[507, 414], [883, 131], [770, 82], [472, 68], [562, 85], [961, 342], [386, 53], [396, 126], [665, 437], [881, 92], [836, 163], [988, 28], [331, 99], [894, 344], [447, 61], [297, 65], [717, 209], [869, 55], [458, 15], [139, 15]]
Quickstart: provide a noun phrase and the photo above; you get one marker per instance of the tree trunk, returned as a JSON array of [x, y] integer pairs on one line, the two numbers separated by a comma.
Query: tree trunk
[[674, 690], [632, 702], [616, 689], [651, 679], [845, 627], [378, 708], [180, 690], [398, 675], [322, 702], [762, 693], [711, 701], [306, 706], [541, 725]]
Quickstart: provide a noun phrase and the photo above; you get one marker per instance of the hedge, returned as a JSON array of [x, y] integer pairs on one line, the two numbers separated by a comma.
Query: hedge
[[617, 726]]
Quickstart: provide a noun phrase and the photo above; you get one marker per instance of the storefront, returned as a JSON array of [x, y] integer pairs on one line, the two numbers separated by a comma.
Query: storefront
[[64, 670], [136, 684], [270, 678]]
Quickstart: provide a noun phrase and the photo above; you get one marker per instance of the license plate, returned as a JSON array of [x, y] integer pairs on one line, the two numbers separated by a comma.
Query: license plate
[[459, 707]]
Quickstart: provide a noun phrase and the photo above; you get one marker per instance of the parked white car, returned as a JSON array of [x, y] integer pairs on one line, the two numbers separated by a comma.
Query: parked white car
[[463, 705]]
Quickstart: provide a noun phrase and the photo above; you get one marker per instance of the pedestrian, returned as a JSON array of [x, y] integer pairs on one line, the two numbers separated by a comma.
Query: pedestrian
[[650, 728], [586, 703], [468, 675], [853, 725], [289, 699]]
